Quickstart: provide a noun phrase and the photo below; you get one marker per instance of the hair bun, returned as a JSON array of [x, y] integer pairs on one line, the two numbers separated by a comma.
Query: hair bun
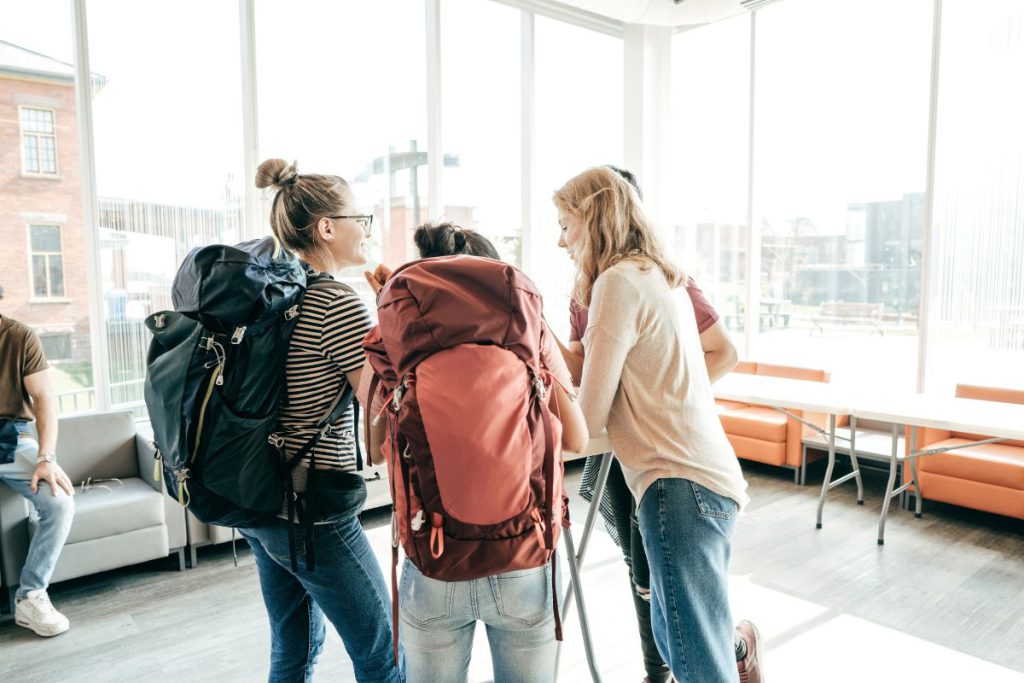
[[276, 172]]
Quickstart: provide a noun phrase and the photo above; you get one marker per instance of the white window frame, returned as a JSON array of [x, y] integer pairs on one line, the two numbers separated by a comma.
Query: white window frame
[[32, 253], [36, 137]]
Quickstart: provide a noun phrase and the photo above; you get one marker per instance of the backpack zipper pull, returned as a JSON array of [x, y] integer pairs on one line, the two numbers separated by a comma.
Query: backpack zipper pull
[[236, 337], [182, 476], [436, 536]]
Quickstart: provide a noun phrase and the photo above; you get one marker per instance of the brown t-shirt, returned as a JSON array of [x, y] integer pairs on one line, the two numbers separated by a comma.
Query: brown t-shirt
[[702, 308], [21, 354]]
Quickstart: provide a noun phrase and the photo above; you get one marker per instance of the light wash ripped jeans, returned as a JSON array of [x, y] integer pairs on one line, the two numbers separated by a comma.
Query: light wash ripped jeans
[[55, 512]]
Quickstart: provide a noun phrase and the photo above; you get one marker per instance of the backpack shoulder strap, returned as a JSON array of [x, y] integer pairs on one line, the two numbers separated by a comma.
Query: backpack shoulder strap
[[324, 282]]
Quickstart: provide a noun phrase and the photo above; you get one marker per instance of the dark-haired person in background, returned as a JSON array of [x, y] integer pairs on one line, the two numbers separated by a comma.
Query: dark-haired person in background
[[28, 459]]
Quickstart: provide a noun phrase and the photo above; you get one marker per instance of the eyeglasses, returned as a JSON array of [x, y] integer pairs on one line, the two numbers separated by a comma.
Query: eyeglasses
[[365, 221]]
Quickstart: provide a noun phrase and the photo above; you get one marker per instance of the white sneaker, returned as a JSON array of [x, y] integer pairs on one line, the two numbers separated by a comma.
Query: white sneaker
[[35, 612]]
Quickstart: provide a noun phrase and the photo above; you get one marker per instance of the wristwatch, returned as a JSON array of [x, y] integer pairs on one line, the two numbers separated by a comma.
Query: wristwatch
[[46, 457]]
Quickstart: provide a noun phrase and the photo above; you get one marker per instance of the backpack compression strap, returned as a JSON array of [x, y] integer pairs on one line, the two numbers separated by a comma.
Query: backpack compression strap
[[307, 512]]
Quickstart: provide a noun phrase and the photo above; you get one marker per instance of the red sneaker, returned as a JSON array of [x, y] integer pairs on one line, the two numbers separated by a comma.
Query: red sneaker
[[749, 662]]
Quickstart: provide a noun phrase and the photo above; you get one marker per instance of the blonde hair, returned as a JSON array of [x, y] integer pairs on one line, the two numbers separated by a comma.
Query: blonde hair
[[300, 202], [615, 229]]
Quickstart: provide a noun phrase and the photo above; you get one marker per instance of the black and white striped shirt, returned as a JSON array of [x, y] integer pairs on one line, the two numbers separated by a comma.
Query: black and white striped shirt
[[326, 343]]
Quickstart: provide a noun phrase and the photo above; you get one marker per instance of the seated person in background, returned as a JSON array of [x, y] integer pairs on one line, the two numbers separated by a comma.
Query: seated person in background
[[26, 461]]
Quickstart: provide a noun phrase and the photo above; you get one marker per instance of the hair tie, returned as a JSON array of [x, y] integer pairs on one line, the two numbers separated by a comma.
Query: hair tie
[[290, 180]]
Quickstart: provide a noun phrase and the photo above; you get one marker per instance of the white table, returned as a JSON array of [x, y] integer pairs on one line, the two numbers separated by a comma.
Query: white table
[[1002, 421], [795, 394]]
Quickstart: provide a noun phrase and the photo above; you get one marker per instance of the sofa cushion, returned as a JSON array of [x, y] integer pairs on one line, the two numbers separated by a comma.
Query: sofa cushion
[[116, 509], [722, 405], [756, 422], [994, 463], [100, 445], [758, 450], [792, 372]]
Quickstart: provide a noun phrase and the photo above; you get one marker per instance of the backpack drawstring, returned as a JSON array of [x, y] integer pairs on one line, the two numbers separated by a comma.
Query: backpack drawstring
[[437, 536]]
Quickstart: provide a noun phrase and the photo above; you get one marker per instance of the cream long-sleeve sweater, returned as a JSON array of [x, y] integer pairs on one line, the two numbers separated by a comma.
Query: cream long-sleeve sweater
[[644, 379]]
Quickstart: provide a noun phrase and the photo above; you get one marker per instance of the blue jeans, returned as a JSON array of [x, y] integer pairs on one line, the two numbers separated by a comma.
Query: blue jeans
[[55, 512], [346, 585], [438, 619], [687, 533]]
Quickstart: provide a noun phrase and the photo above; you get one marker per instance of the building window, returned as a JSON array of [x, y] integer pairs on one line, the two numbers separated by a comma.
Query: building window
[[47, 261], [38, 141], [56, 346]]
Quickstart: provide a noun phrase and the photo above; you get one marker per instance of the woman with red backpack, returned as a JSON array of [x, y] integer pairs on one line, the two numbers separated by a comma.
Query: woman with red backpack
[[468, 582], [317, 217], [645, 380]]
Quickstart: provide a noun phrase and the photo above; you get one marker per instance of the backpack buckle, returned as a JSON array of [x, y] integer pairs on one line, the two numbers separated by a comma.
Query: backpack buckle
[[538, 385]]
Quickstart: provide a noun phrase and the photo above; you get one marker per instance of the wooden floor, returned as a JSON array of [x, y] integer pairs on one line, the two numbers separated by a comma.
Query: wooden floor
[[943, 600]]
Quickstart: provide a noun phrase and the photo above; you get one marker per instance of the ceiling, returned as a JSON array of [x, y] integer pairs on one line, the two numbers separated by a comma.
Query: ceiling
[[661, 12]]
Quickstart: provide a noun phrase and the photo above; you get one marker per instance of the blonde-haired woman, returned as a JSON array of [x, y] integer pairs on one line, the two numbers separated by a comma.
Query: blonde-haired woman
[[645, 380], [318, 218]]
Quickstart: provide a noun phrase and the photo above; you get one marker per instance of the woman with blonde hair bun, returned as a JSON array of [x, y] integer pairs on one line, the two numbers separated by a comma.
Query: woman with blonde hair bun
[[318, 218], [645, 380]]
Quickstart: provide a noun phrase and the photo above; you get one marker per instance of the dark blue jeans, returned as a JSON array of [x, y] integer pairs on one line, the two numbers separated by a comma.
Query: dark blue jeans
[[346, 586], [687, 532]]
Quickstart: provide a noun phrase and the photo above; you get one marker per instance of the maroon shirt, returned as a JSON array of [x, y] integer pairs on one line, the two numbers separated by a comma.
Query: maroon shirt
[[702, 308]]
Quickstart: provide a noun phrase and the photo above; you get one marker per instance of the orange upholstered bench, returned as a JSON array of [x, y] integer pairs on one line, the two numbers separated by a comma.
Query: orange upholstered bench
[[988, 477], [764, 434]]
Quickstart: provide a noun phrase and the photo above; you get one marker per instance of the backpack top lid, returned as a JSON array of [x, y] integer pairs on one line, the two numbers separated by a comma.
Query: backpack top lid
[[224, 287], [441, 302]]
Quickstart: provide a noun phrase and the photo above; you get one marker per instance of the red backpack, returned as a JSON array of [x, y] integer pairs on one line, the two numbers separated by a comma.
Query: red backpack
[[473, 452]]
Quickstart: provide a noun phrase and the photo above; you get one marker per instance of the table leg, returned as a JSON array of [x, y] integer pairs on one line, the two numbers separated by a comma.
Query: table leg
[[575, 559], [853, 459], [574, 573], [893, 462], [826, 485], [918, 498]]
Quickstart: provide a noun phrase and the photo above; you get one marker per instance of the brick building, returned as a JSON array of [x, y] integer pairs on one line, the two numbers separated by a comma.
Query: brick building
[[42, 240]]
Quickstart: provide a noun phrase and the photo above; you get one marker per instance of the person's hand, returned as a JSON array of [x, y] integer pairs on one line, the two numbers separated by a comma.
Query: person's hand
[[378, 277], [54, 475]]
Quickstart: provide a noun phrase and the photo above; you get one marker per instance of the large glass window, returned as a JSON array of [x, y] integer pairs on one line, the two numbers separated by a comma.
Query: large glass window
[[480, 86], [41, 220], [342, 89], [710, 124], [578, 124], [168, 158], [841, 115], [976, 332]]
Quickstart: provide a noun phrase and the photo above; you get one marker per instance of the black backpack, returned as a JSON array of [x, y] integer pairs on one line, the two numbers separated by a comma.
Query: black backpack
[[216, 379]]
